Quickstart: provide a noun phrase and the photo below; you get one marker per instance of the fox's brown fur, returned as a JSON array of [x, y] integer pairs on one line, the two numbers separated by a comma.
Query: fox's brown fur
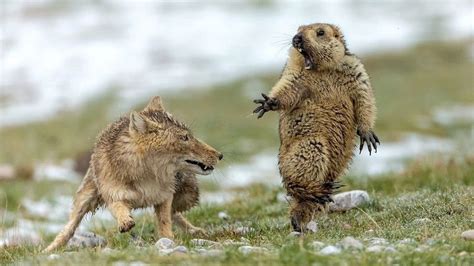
[[147, 159], [324, 98]]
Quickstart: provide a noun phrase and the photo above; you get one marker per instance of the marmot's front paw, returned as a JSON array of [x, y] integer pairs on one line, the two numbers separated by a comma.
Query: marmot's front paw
[[371, 140], [267, 104], [126, 225]]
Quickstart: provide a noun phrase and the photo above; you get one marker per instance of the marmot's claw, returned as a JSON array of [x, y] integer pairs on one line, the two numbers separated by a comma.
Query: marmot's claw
[[370, 138], [267, 104]]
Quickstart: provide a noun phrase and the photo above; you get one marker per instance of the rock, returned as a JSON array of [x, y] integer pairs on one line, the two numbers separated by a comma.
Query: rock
[[375, 248], [351, 243], [312, 227], [348, 200], [390, 249], [294, 234], [317, 244], [223, 216], [330, 250], [243, 230], [420, 221], [209, 252], [164, 243], [205, 243], [18, 236], [180, 249], [431, 241], [230, 242], [86, 240], [246, 250], [406, 241], [377, 241], [421, 248], [468, 235], [53, 256]]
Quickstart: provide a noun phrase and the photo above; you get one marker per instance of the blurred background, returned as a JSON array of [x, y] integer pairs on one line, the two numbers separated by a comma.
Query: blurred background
[[68, 68]]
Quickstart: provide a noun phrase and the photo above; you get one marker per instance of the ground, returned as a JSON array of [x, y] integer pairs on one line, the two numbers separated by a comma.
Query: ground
[[430, 201]]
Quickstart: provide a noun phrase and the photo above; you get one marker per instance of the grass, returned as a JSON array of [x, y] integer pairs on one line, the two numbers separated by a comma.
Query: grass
[[409, 85]]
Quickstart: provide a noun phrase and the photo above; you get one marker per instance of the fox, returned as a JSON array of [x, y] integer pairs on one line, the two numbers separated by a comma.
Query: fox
[[324, 98], [146, 159]]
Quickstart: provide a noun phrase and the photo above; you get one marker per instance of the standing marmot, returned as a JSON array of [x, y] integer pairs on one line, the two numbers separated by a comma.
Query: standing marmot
[[324, 97]]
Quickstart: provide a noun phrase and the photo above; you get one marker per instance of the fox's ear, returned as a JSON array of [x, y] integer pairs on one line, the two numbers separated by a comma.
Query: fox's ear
[[138, 123], [155, 104]]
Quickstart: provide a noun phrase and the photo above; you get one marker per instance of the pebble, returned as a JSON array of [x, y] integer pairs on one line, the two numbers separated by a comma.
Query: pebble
[[223, 216], [317, 244], [348, 200], [351, 243], [468, 235], [390, 249], [330, 250], [246, 250], [86, 240], [180, 249], [53, 257], [312, 227], [209, 252], [164, 243], [205, 243], [294, 234], [406, 241], [377, 241], [230, 242], [375, 248]]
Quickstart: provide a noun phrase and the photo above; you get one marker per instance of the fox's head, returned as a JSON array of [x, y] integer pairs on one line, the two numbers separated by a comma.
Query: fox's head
[[158, 135], [319, 45]]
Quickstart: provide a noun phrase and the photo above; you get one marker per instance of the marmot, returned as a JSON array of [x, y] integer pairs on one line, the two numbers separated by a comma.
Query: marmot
[[146, 159], [324, 98]]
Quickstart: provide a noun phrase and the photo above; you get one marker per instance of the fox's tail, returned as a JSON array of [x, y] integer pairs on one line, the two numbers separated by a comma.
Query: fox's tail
[[86, 200]]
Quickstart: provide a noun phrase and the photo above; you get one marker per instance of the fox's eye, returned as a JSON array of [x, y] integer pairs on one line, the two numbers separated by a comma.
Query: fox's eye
[[185, 138], [320, 33]]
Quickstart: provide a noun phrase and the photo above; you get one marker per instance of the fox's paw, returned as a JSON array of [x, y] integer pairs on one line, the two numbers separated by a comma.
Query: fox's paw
[[126, 225], [266, 104], [370, 138]]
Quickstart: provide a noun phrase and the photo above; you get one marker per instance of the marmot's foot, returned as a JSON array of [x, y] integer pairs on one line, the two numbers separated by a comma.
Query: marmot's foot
[[371, 140], [197, 231], [267, 104], [126, 225]]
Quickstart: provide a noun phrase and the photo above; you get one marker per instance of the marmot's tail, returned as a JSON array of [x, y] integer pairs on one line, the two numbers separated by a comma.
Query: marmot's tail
[[86, 200]]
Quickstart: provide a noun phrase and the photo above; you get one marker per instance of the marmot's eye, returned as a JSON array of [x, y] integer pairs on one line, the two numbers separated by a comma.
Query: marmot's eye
[[185, 138], [320, 33]]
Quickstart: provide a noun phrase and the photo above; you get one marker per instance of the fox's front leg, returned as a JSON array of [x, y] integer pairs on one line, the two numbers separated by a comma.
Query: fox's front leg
[[122, 212], [163, 219]]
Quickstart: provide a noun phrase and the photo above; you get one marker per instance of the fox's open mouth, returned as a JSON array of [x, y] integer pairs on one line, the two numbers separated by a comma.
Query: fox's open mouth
[[201, 165]]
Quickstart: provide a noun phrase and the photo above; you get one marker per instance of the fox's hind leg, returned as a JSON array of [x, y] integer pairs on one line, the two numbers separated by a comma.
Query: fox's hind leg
[[304, 168], [86, 200], [122, 212]]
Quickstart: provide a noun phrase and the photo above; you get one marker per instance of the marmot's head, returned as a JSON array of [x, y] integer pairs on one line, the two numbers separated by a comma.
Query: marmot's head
[[321, 45]]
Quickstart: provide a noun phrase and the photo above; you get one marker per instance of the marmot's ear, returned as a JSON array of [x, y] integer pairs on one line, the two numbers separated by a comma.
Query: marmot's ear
[[155, 104], [138, 123], [340, 36]]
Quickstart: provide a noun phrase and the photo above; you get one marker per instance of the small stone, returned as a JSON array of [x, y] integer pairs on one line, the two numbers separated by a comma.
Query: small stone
[[164, 243], [317, 244], [463, 253], [205, 243], [351, 243], [223, 216], [209, 252], [230, 242], [347, 226], [246, 250], [180, 249], [468, 235], [330, 250], [431, 241], [375, 248], [165, 251], [377, 241], [243, 230], [390, 249], [53, 257], [86, 240], [294, 234], [348, 200], [312, 227], [406, 241], [421, 248]]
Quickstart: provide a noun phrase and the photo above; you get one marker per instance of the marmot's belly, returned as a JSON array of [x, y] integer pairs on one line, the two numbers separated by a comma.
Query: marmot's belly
[[331, 122]]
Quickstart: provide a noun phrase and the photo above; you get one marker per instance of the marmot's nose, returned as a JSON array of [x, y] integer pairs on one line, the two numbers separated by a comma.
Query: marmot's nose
[[298, 39], [221, 156]]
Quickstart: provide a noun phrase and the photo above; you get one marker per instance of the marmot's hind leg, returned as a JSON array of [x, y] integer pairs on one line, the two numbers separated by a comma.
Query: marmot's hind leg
[[186, 197], [307, 179]]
